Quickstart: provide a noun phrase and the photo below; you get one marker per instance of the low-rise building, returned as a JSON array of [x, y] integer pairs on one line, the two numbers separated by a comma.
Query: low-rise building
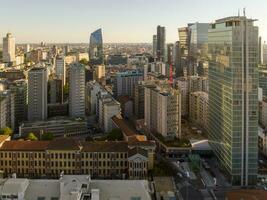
[[99, 159], [59, 126], [78, 187]]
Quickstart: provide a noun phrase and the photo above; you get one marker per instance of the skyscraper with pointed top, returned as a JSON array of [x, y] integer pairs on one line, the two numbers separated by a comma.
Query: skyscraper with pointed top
[[96, 47]]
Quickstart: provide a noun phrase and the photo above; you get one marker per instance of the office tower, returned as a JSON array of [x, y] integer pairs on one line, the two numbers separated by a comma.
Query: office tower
[[139, 98], [163, 111], [179, 71], [154, 46], [3, 112], [125, 81], [60, 68], [56, 90], [66, 49], [184, 39], [77, 90], [161, 44], [100, 72], [264, 54], [19, 89], [233, 97], [263, 80], [27, 48], [89, 74], [260, 51], [198, 42], [170, 54], [37, 94], [96, 47], [9, 50]]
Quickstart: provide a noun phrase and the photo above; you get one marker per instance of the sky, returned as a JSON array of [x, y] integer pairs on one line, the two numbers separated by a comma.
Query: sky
[[72, 21]]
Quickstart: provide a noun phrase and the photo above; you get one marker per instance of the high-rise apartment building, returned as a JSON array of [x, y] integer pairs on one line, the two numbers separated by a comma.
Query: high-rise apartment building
[[77, 90], [154, 46], [163, 111], [264, 54], [161, 44], [19, 89], [107, 107], [184, 38], [100, 73], [37, 94], [9, 50], [56, 90], [179, 71], [233, 97], [170, 54], [96, 55], [125, 82], [198, 109], [60, 68]]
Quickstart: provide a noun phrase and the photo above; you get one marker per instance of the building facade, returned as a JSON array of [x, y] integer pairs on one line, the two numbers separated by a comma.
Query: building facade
[[9, 50], [77, 90], [163, 111], [233, 97], [98, 159], [37, 94]]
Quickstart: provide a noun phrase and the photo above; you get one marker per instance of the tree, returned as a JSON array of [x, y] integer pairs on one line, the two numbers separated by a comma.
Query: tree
[[32, 137], [83, 61], [115, 134], [48, 136], [6, 131]]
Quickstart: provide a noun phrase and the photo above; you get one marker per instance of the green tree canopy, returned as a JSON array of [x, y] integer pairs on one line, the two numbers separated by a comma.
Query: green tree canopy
[[6, 131], [115, 134], [84, 61], [48, 136], [32, 137]]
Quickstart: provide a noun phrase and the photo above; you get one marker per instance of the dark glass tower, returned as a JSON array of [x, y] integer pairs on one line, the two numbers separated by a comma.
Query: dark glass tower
[[96, 47]]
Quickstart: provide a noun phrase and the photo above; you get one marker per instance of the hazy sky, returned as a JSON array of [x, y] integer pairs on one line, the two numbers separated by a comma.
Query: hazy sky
[[121, 20]]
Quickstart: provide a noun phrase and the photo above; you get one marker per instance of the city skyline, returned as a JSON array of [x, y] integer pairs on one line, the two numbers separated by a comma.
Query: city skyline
[[61, 22]]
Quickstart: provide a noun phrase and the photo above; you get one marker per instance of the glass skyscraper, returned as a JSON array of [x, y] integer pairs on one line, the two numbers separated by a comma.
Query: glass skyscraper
[[233, 97], [96, 47]]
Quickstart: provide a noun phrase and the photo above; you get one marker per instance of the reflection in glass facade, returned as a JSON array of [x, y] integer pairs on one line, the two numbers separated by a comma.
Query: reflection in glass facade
[[96, 47], [198, 39], [233, 97]]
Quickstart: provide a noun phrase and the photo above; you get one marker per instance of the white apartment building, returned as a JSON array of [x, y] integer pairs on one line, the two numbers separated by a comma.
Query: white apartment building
[[107, 108], [163, 111], [9, 50]]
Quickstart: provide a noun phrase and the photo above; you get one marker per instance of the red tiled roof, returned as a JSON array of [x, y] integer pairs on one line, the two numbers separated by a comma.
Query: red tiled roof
[[123, 126], [24, 145], [105, 146]]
